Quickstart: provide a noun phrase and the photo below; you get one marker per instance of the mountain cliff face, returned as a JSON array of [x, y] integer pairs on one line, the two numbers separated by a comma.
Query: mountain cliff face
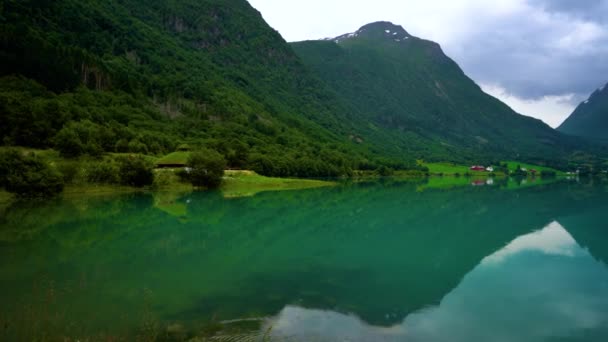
[[590, 119], [407, 84]]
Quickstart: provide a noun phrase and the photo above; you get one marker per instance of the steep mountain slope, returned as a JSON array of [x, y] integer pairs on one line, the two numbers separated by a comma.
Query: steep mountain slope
[[407, 84], [151, 74], [590, 119], [141, 76]]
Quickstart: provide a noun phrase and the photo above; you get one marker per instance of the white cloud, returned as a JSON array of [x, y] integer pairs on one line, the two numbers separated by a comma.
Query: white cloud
[[553, 110], [552, 240]]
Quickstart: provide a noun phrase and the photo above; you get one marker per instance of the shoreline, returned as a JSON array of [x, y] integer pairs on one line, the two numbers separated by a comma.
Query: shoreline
[[245, 183]]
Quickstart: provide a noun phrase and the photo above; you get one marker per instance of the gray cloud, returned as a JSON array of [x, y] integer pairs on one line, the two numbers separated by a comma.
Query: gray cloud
[[596, 10], [539, 52]]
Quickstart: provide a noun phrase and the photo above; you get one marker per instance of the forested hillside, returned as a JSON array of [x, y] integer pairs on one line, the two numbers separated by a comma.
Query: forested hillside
[[590, 119], [144, 76], [88, 77], [407, 84]]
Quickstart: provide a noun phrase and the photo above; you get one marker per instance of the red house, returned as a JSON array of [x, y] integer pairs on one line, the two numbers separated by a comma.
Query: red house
[[477, 168]]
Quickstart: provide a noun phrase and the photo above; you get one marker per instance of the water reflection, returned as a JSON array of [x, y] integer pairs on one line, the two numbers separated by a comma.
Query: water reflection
[[406, 263], [541, 286]]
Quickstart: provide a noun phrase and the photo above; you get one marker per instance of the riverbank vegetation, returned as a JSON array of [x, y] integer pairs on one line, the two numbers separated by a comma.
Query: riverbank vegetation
[[29, 173]]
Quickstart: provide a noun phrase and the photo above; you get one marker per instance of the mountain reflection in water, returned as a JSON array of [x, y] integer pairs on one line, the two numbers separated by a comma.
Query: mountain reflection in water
[[541, 286]]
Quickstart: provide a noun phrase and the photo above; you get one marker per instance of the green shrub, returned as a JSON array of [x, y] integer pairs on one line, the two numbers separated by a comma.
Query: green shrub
[[164, 178], [135, 171], [183, 175], [68, 143], [70, 170], [102, 172], [136, 146], [206, 168], [384, 171], [121, 146], [28, 175]]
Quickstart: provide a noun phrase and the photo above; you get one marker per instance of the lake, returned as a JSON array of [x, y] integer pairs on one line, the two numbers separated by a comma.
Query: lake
[[383, 261]]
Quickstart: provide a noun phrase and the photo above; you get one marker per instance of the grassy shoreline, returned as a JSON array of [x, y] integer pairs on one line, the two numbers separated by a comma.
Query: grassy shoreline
[[249, 183], [245, 183], [235, 184], [82, 174]]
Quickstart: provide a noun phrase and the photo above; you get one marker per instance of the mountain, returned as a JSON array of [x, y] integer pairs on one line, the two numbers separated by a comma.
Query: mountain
[[406, 84], [590, 118], [89, 77], [145, 76]]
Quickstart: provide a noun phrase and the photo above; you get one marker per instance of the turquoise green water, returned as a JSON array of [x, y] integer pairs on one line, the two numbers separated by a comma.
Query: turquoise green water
[[367, 262]]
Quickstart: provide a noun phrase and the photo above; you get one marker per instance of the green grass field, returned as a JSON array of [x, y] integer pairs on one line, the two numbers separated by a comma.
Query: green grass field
[[513, 166], [175, 158], [450, 169], [249, 183]]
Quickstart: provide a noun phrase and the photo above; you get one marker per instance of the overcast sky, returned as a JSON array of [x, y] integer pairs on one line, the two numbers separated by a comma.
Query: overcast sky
[[542, 57]]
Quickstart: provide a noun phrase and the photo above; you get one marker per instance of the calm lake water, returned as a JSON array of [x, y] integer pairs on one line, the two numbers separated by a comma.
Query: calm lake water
[[368, 262]]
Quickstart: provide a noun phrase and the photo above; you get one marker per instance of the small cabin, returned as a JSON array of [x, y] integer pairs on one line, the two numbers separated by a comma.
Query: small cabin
[[478, 168]]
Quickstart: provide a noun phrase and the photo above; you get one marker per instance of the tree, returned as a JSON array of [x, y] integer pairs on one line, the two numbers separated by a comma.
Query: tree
[[136, 171], [384, 171], [206, 168], [28, 175], [68, 143]]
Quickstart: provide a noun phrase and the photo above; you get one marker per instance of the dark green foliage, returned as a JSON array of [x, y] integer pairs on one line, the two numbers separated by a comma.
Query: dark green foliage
[[68, 143], [107, 172], [135, 76], [135, 171], [384, 171], [590, 119], [502, 167], [519, 172], [548, 174], [305, 167], [69, 170], [146, 75], [28, 175], [206, 168]]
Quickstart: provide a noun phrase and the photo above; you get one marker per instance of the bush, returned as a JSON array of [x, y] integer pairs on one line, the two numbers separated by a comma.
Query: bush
[[164, 178], [135, 171], [183, 175], [70, 170], [68, 143], [384, 171], [103, 172], [206, 168], [28, 175]]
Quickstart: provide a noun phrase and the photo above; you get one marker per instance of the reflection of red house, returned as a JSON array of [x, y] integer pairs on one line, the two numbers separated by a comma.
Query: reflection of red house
[[478, 183], [533, 171], [477, 168]]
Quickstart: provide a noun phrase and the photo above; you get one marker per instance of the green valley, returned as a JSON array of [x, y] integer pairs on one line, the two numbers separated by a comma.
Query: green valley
[[100, 80]]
